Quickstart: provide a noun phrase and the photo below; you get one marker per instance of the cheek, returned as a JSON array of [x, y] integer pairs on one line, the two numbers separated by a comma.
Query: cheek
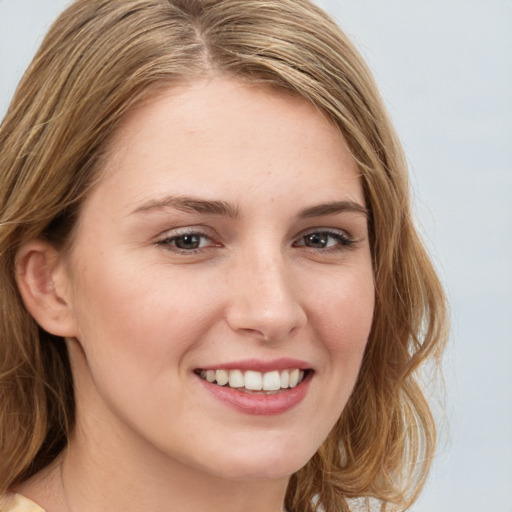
[[342, 316], [344, 311], [139, 316], [136, 330]]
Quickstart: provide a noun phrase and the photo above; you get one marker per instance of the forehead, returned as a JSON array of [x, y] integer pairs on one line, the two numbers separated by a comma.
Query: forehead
[[227, 137]]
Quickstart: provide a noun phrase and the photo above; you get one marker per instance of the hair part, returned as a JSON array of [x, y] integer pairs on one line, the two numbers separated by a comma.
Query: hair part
[[99, 60]]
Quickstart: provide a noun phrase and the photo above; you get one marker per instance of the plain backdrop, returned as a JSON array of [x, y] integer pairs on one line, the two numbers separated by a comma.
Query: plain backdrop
[[445, 70]]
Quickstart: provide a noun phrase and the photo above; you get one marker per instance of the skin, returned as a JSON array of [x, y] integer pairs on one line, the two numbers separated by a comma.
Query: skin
[[143, 315]]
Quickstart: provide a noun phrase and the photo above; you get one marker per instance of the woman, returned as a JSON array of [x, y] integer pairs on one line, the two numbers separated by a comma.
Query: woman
[[213, 295]]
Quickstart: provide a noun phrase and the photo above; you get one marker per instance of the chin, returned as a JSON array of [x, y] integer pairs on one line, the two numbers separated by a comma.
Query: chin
[[250, 472], [270, 464]]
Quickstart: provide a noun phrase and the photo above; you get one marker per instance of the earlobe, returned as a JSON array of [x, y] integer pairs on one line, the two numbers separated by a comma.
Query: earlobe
[[44, 287]]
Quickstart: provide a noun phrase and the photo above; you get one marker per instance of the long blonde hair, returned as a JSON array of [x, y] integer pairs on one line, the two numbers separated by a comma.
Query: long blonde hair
[[100, 59]]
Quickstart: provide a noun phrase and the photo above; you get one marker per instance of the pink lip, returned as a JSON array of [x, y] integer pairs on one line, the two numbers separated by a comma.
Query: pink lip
[[260, 404], [259, 365]]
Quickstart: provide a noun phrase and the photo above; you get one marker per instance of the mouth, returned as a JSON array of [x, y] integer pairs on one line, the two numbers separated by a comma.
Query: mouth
[[255, 382]]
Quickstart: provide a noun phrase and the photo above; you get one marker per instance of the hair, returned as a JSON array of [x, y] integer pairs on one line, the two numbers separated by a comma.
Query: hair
[[100, 59]]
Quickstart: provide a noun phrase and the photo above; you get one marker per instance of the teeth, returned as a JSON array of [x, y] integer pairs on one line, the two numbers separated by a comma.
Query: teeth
[[255, 381], [294, 378], [222, 377], [271, 381], [285, 379], [236, 379]]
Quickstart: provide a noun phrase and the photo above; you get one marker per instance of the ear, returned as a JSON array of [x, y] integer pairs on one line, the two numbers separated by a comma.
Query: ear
[[43, 283]]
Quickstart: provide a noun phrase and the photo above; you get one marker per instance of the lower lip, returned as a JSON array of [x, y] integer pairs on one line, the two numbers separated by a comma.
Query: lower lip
[[260, 404]]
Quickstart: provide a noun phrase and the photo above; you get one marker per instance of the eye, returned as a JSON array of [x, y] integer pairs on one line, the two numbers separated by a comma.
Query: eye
[[186, 242], [325, 239], [189, 241]]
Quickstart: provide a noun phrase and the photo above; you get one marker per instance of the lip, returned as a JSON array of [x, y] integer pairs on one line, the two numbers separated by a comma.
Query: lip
[[259, 404], [259, 365]]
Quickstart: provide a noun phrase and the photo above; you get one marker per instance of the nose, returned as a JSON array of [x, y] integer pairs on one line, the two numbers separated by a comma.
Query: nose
[[265, 301]]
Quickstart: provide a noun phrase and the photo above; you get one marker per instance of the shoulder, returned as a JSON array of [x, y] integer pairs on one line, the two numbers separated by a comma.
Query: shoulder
[[17, 503]]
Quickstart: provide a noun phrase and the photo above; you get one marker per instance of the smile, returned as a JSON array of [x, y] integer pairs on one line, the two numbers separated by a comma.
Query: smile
[[253, 381]]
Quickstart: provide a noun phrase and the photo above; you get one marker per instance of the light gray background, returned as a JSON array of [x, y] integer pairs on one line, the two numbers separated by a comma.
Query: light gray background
[[445, 71]]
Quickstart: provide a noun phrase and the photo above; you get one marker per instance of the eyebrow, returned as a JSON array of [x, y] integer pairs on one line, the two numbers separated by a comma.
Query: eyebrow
[[222, 208], [191, 204], [333, 208]]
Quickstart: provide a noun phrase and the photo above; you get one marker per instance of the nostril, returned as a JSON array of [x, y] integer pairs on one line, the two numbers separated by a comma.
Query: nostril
[[268, 325]]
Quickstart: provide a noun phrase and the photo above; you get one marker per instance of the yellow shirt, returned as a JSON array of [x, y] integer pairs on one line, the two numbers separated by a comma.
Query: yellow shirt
[[18, 503]]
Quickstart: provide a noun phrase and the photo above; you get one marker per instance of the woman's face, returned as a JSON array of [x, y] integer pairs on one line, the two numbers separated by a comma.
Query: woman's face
[[227, 239]]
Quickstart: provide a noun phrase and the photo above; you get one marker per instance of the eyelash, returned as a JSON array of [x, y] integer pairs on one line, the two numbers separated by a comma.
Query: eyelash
[[343, 241], [169, 242]]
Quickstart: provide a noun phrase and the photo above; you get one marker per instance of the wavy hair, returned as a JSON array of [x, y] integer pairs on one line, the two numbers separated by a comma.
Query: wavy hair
[[99, 60]]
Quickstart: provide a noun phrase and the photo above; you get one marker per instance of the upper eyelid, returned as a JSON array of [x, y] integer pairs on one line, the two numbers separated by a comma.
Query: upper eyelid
[[186, 230], [337, 231], [323, 229]]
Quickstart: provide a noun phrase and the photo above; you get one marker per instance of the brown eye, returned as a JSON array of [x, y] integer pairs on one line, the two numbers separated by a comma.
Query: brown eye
[[329, 240], [316, 240], [186, 242], [190, 241]]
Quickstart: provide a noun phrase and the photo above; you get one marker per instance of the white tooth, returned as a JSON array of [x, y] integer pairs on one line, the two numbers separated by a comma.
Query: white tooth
[[294, 377], [210, 375], [271, 381], [285, 379], [253, 380], [301, 376], [236, 379], [203, 374], [222, 377]]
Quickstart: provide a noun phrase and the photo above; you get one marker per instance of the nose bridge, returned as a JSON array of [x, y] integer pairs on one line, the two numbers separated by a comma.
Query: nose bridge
[[265, 301]]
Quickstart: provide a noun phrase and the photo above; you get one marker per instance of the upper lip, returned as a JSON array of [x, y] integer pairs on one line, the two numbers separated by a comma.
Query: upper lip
[[260, 365]]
